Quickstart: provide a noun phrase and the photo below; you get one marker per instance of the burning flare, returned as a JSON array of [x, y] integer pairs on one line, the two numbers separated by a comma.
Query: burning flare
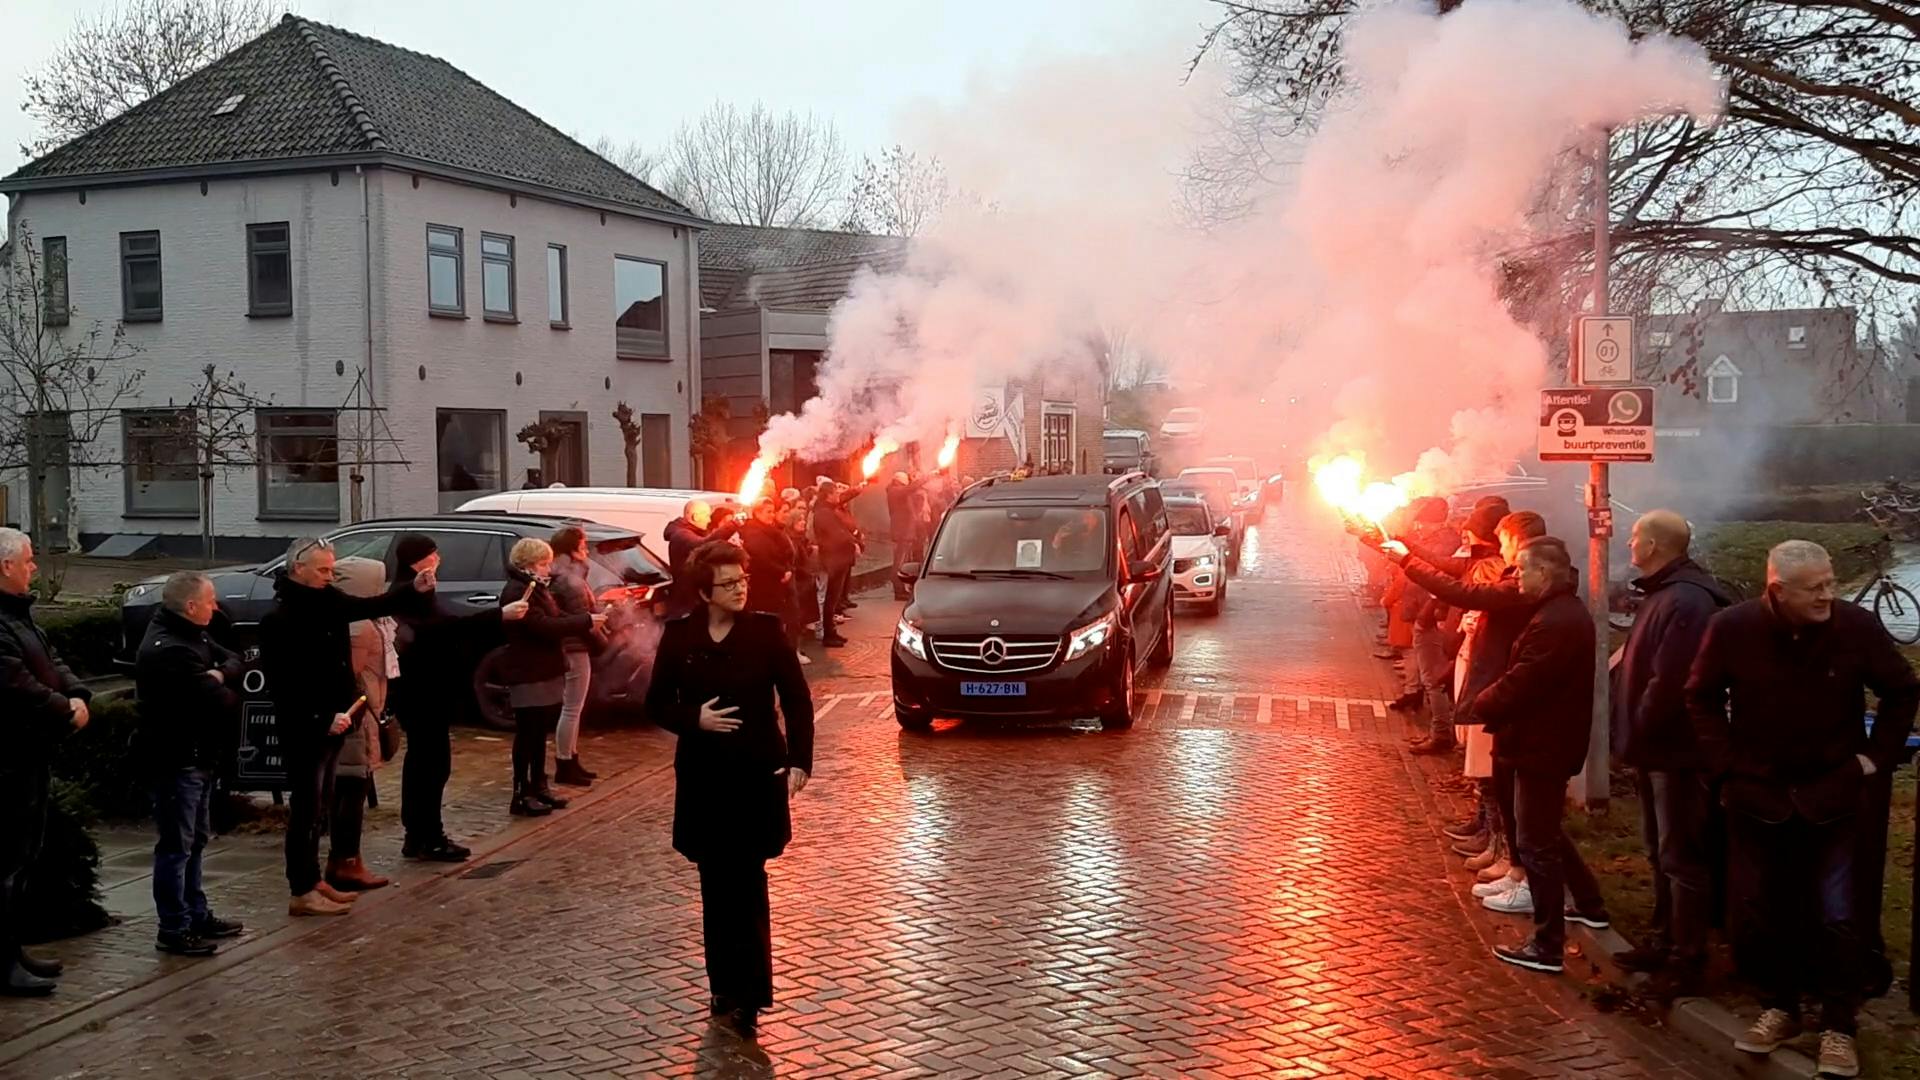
[[1340, 483], [948, 451], [871, 463], [756, 480]]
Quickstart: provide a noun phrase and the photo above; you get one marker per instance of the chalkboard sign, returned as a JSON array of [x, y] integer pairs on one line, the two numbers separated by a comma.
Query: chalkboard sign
[[259, 762]]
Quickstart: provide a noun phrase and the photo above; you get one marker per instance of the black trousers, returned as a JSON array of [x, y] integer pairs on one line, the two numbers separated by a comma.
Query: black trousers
[[23, 827], [347, 818], [423, 773], [737, 929], [1554, 867], [310, 768], [530, 727], [1793, 913], [839, 578]]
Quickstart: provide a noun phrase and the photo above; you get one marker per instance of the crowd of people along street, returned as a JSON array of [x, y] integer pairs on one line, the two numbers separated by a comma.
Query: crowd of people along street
[[1763, 794]]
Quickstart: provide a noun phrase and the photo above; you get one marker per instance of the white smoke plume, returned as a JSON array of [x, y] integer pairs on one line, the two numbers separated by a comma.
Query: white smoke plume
[[1357, 308]]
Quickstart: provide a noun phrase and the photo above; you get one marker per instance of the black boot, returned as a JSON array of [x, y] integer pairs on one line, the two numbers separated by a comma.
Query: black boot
[[584, 771], [545, 794], [20, 982], [527, 804], [568, 771]]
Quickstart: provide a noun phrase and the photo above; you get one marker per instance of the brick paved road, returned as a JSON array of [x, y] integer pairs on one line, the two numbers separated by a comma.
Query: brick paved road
[[1247, 883]]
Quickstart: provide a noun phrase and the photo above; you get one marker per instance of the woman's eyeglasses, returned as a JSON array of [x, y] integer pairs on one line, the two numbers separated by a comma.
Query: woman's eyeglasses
[[729, 584]]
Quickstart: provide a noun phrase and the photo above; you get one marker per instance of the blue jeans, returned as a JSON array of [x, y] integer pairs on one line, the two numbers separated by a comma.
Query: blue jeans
[[1677, 824], [1793, 917], [182, 804]]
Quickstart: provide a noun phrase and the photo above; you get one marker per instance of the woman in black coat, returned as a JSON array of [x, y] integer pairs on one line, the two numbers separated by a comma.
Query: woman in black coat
[[534, 666], [714, 683]]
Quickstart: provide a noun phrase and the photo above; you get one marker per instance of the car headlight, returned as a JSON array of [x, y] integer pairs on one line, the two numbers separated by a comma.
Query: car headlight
[[1203, 560], [140, 593], [1089, 637], [911, 639]]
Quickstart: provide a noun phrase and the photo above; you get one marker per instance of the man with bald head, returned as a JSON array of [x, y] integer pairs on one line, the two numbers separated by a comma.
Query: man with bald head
[[1652, 732], [1777, 697]]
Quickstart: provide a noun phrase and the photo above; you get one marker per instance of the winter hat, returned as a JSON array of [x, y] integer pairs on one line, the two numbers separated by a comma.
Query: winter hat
[[1485, 520], [358, 576], [411, 548]]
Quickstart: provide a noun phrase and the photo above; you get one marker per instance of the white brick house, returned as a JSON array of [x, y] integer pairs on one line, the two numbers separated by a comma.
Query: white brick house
[[408, 266]]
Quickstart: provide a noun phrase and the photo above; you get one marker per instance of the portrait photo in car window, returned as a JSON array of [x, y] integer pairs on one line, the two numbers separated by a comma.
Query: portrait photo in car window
[[1065, 540]]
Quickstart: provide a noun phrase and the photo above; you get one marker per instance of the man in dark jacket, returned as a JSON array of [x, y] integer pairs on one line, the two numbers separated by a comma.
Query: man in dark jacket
[[694, 526], [1540, 711], [1432, 659], [306, 654], [1777, 696], [839, 542], [1652, 732], [770, 560], [903, 525], [41, 703], [186, 686]]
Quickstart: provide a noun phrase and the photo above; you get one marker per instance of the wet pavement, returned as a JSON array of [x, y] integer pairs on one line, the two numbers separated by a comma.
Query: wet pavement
[[1247, 883]]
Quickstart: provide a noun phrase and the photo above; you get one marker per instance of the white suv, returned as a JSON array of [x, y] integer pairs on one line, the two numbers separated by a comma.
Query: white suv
[[1199, 553]]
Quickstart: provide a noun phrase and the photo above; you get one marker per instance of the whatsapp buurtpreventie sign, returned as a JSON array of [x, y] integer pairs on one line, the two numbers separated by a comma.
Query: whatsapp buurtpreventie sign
[[1596, 424]]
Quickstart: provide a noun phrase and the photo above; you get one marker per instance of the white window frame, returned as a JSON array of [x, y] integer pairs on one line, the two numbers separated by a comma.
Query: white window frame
[[1723, 371], [1796, 337]]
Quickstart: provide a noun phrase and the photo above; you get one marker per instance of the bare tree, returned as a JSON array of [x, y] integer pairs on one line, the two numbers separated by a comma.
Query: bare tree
[[635, 160], [1807, 190], [61, 375], [755, 167], [219, 421], [898, 194], [121, 57]]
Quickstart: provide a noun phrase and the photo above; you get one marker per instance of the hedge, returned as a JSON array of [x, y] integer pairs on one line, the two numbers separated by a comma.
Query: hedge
[[61, 897], [1736, 551], [86, 636], [99, 760]]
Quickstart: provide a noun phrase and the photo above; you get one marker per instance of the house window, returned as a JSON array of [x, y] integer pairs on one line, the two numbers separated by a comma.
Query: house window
[[269, 270], [162, 477], [1056, 438], [140, 276], [557, 285], [1660, 339], [640, 298], [471, 451], [445, 258], [53, 274], [1796, 337], [1723, 382], [299, 463], [496, 276]]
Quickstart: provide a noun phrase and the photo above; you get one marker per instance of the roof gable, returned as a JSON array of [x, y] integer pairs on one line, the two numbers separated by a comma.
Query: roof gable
[[313, 91], [782, 267]]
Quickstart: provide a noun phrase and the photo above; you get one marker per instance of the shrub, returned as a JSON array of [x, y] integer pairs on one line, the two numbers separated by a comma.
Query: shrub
[[62, 893], [100, 763], [85, 636], [1736, 551]]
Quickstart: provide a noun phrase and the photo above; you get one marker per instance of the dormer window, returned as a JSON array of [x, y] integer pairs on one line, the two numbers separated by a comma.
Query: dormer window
[[1723, 382], [1660, 339]]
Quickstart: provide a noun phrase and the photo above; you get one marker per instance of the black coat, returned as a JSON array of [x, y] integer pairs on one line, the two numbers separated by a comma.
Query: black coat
[[1506, 611], [902, 521], [1540, 710], [536, 643], [1651, 729], [1780, 710], [188, 718], [306, 651], [730, 795], [682, 537], [770, 560], [835, 531], [36, 692]]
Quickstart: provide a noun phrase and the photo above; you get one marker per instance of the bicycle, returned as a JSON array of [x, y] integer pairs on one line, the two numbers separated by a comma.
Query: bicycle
[[1893, 603]]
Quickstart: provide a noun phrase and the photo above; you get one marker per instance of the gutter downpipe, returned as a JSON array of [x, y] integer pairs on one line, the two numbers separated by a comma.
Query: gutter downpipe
[[367, 418]]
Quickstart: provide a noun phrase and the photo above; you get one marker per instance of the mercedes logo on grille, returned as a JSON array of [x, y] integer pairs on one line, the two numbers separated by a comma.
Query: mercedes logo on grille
[[993, 651]]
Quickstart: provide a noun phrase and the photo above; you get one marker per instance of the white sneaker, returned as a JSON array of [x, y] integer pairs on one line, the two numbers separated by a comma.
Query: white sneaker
[[1515, 901], [1499, 886], [804, 658]]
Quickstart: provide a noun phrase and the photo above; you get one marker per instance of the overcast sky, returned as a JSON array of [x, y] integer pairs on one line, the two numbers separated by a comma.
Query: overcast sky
[[633, 69]]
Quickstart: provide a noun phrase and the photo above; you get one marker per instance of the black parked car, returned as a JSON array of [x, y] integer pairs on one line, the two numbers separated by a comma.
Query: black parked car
[[1039, 599], [473, 570]]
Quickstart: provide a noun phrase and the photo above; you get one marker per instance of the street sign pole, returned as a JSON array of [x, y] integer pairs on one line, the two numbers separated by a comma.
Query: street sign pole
[[1594, 792]]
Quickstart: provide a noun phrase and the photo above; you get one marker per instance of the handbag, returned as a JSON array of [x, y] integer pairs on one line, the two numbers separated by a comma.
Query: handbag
[[389, 737]]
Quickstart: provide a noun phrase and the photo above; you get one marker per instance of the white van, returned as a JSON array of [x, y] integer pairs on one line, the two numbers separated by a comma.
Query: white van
[[644, 510]]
